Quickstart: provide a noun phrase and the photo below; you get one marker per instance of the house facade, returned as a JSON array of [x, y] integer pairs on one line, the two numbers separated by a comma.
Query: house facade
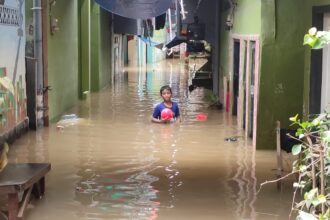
[[268, 75]]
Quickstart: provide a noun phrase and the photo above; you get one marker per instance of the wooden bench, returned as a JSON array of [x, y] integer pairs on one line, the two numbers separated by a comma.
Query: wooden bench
[[23, 178]]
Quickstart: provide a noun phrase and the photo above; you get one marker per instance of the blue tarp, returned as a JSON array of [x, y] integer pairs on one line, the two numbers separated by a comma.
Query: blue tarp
[[150, 42], [136, 9]]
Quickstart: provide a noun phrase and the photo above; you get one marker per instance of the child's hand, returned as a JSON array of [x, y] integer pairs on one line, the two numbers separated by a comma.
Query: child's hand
[[165, 120]]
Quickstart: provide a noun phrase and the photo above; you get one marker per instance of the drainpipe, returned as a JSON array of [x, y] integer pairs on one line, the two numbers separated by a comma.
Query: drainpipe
[[38, 55], [216, 74]]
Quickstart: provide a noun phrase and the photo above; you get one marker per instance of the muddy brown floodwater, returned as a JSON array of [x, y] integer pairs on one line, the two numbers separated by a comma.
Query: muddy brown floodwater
[[112, 163]]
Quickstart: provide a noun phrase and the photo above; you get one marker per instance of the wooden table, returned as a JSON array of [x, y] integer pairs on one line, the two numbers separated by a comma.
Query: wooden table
[[23, 178]]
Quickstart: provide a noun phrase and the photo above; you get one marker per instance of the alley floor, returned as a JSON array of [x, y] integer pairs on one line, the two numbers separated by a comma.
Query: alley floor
[[113, 163]]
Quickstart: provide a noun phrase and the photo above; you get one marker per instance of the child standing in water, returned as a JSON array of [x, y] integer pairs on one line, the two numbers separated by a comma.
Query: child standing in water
[[166, 94]]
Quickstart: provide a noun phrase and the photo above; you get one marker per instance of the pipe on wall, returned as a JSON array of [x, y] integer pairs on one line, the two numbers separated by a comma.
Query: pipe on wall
[[37, 23]]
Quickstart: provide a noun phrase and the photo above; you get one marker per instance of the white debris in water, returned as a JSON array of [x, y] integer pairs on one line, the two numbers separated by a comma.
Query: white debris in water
[[69, 120]]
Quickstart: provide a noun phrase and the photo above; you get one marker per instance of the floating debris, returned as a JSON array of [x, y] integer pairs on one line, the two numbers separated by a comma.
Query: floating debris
[[231, 139], [70, 120]]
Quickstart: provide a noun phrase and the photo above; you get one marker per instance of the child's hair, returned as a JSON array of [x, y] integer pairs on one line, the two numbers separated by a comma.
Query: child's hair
[[165, 88]]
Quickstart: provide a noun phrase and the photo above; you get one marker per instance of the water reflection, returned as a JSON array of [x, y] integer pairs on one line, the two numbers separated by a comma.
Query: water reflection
[[242, 182], [118, 165]]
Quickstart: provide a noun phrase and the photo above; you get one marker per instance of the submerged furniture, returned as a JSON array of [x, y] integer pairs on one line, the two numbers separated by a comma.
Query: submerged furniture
[[283, 143], [26, 178]]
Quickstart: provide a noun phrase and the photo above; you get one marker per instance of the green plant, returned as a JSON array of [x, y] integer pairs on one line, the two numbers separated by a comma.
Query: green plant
[[212, 99], [312, 165]]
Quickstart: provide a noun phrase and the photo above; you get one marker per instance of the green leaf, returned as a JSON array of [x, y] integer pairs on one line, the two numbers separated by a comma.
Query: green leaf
[[299, 132], [322, 198], [310, 40], [302, 168], [305, 124], [320, 43], [316, 122], [326, 136], [319, 200], [311, 194], [294, 119], [306, 216], [296, 149]]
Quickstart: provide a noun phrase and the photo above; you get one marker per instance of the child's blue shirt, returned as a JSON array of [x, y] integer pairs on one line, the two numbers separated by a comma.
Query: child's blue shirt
[[159, 108]]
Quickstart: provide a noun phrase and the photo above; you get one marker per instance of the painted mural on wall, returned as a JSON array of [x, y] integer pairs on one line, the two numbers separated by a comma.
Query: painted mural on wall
[[12, 64]]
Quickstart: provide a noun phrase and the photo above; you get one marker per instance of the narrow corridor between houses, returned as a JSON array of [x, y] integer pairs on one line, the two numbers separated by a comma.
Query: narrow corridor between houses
[[113, 163]]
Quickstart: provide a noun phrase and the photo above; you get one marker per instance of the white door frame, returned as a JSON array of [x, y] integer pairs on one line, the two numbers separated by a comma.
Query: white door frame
[[245, 44]]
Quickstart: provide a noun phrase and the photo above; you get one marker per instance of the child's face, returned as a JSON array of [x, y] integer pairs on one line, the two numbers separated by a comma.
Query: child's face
[[166, 95]]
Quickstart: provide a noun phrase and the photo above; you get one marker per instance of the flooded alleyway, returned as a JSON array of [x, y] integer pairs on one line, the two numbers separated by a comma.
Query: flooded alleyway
[[114, 164]]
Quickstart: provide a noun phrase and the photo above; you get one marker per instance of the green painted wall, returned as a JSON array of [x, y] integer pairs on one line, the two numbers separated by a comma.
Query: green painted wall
[[250, 9], [79, 54], [100, 47], [95, 46], [284, 61], [320, 2], [84, 47], [282, 66], [105, 52], [63, 59], [247, 17], [224, 48]]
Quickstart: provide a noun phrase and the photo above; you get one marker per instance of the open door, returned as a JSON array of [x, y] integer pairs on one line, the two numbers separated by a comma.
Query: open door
[[31, 91], [236, 76]]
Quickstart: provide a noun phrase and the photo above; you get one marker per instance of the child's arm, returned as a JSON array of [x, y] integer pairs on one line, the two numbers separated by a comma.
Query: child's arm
[[156, 120], [156, 115]]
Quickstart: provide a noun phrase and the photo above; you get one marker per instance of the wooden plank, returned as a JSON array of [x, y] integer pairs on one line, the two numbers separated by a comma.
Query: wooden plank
[[26, 200], [279, 154], [12, 206], [19, 177]]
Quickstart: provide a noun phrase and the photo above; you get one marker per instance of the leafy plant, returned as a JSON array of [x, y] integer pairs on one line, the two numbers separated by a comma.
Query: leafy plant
[[212, 99], [316, 39], [312, 165]]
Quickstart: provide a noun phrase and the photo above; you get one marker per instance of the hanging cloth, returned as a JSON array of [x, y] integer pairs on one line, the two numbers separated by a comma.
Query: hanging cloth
[[160, 21]]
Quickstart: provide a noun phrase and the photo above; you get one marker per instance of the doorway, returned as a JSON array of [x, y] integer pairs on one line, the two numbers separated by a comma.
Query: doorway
[[245, 82], [319, 93], [236, 75]]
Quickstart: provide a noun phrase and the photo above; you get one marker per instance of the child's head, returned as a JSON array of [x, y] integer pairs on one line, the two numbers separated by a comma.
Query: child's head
[[168, 88], [166, 93]]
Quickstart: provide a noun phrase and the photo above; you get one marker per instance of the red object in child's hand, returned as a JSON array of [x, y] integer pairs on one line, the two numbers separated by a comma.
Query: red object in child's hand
[[201, 117], [166, 114]]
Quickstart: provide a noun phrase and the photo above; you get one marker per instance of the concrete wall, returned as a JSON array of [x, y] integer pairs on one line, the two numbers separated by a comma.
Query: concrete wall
[[245, 9], [63, 59], [105, 52], [282, 66], [79, 53], [281, 26], [95, 46], [247, 17]]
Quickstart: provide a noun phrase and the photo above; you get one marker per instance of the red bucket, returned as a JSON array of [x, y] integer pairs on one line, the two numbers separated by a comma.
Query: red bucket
[[201, 117]]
